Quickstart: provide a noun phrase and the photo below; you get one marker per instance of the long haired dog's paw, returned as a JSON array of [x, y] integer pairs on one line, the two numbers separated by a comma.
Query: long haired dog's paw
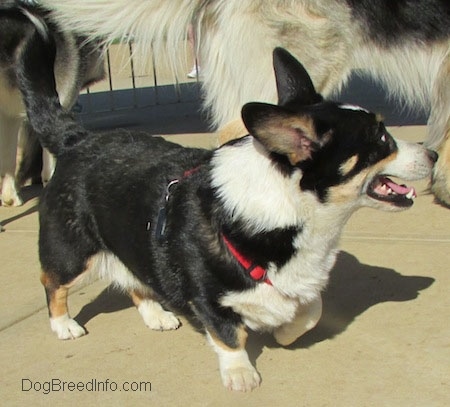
[[9, 194], [66, 327]]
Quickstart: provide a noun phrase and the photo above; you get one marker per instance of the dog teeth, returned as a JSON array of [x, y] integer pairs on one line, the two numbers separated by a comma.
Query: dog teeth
[[410, 194]]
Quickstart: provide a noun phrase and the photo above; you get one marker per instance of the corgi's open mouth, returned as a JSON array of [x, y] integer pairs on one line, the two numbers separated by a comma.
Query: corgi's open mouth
[[384, 189]]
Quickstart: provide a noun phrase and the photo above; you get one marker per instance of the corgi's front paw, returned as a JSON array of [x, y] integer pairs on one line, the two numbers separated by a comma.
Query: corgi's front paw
[[66, 327], [241, 378]]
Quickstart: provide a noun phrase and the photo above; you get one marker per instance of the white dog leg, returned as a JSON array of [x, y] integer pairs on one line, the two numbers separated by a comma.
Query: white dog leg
[[235, 368], [9, 129], [306, 318]]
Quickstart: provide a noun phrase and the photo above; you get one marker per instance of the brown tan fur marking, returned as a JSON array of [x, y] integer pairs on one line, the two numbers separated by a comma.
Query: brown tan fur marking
[[240, 341], [56, 295], [137, 296], [348, 191], [349, 165]]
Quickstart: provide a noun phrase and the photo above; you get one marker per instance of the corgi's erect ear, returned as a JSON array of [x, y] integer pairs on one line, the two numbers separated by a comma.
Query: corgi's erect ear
[[281, 131], [293, 82]]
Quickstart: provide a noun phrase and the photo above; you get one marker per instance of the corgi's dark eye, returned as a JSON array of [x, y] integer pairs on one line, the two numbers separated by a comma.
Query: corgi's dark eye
[[383, 138]]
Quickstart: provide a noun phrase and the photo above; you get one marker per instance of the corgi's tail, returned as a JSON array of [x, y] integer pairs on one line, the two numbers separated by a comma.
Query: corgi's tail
[[56, 129]]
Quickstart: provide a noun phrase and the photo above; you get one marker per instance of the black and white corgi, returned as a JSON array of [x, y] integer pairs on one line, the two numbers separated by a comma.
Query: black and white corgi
[[241, 237]]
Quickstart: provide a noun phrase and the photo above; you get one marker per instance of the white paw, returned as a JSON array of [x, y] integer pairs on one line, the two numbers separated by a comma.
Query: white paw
[[10, 196], [237, 372], [242, 378], [66, 327], [157, 318]]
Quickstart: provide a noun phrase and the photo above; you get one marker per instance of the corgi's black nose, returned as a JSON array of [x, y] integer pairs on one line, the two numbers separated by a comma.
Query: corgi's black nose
[[433, 155]]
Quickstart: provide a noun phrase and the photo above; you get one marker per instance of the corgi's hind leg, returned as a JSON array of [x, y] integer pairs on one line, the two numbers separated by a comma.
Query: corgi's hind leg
[[60, 322], [153, 314]]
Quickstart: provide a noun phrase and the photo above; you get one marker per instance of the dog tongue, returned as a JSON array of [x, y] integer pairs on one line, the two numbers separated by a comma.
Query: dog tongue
[[398, 189]]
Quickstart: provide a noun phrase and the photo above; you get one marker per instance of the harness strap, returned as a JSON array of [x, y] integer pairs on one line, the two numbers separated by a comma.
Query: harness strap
[[255, 271]]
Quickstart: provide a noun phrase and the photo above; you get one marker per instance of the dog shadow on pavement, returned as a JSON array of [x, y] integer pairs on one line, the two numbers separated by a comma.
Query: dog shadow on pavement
[[27, 193], [352, 289], [108, 301]]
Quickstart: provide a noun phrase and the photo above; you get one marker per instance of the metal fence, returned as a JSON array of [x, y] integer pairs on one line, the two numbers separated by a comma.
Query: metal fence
[[142, 96], [149, 98]]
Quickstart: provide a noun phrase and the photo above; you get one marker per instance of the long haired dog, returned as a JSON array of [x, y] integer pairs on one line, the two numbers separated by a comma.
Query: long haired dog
[[403, 43], [77, 64], [242, 236]]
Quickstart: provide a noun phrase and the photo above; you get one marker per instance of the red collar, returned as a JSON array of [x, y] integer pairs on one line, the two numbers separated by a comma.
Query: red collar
[[256, 272]]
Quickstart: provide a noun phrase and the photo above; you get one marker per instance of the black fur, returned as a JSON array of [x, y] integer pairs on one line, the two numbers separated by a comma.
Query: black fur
[[394, 21], [354, 136]]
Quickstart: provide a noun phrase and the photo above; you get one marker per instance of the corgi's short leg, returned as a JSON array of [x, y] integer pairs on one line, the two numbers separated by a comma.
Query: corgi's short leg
[[153, 314], [60, 321], [235, 368], [306, 319]]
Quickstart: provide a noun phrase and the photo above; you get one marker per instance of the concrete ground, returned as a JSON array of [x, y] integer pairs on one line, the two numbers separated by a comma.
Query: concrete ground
[[383, 339]]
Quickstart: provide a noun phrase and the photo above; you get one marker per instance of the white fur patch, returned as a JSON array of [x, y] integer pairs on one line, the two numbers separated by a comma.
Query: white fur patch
[[354, 107], [235, 368], [155, 317], [295, 286], [66, 327], [306, 319], [250, 187], [109, 267], [412, 162], [9, 194]]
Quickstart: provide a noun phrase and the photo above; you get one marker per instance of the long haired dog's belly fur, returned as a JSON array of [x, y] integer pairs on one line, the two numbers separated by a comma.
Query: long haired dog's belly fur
[[242, 236], [405, 44]]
